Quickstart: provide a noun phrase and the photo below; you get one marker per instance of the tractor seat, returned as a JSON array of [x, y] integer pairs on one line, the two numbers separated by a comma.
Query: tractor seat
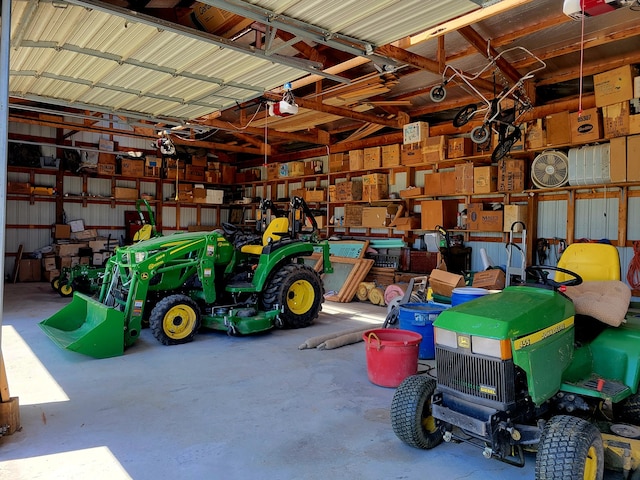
[[145, 233], [278, 228], [602, 295]]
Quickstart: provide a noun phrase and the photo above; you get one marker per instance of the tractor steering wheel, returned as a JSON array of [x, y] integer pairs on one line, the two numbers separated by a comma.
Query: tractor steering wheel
[[540, 274]]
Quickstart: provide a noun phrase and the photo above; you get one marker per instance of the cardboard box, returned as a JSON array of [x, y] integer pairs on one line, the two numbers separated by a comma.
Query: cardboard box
[[49, 263], [122, 193], [415, 132], [443, 283], [199, 161], [377, 217], [440, 183], [87, 234], [356, 160], [615, 120], [411, 192], [102, 244], [375, 179], [106, 169], [273, 170], [49, 275], [29, 270], [106, 145], [61, 231], [485, 220], [23, 188], [558, 129], [536, 137], [438, 212], [338, 162], [372, 157], [614, 85], [513, 214], [69, 249], [172, 173], [634, 116], [130, 167], [215, 197], [586, 126], [464, 178], [349, 191], [199, 194], [618, 159], [511, 175], [485, 179], [194, 173], [459, 147], [375, 192], [493, 279], [406, 223], [391, 155], [292, 169], [76, 225], [106, 159], [633, 154], [228, 174], [431, 150], [315, 195], [352, 215]]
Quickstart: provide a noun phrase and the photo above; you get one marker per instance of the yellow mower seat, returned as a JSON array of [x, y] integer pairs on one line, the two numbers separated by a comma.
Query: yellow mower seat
[[592, 261], [274, 232]]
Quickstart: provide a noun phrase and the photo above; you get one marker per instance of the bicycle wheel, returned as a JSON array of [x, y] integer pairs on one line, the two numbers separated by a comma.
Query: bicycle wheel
[[480, 134], [503, 148], [464, 115]]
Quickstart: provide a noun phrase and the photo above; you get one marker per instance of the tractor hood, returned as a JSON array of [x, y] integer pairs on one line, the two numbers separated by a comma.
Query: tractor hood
[[510, 314]]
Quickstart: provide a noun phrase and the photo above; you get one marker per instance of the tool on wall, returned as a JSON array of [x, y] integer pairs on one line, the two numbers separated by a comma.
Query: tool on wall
[[518, 270]]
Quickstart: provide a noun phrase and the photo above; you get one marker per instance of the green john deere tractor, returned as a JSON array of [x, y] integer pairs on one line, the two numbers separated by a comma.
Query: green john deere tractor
[[521, 371], [222, 280]]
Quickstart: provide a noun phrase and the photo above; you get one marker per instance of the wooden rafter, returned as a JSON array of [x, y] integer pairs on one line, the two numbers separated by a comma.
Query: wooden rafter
[[486, 49]]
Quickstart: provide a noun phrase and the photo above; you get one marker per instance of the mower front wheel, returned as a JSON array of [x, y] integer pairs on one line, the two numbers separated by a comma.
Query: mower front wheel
[[570, 447], [175, 320], [298, 291], [65, 289], [411, 417]]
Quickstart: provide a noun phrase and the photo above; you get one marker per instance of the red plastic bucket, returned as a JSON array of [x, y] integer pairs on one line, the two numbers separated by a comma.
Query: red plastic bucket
[[392, 355]]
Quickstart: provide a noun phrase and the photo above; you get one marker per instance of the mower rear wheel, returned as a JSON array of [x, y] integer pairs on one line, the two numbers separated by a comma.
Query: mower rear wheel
[[411, 417], [298, 291], [65, 290], [570, 447], [628, 410], [174, 320], [55, 283]]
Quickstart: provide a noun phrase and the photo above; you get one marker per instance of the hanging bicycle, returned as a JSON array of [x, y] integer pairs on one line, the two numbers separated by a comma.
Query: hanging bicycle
[[496, 117]]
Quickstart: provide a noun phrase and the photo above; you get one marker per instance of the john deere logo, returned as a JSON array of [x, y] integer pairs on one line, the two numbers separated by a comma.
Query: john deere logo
[[587, 127]]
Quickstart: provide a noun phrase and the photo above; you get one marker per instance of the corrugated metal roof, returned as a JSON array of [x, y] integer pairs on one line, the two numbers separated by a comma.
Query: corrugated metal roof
[[96, 60], [93, 56]]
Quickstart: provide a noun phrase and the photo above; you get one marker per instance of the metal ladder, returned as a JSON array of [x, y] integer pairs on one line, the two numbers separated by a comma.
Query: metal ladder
[[517, 270]]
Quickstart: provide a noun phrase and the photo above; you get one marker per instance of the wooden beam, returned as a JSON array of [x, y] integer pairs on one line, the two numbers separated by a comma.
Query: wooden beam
[[485, 48], [398, 122]]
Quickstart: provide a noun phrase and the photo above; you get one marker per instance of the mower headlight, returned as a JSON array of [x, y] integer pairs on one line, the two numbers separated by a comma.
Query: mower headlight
[[491, 347], [140, 256], [446, 338], [125, 258]]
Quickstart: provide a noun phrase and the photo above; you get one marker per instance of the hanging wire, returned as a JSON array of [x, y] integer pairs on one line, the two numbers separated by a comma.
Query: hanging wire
[[581, 59]]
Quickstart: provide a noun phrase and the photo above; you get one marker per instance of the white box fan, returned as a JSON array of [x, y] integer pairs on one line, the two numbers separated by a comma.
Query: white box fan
[[550, 169]]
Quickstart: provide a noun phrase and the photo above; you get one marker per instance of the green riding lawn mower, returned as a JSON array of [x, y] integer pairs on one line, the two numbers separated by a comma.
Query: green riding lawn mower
[[521, 371], [88, 278], [229, 280]]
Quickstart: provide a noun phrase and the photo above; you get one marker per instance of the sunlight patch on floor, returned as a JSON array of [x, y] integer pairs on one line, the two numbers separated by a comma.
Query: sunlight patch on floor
[[28, 378], [92, 463]]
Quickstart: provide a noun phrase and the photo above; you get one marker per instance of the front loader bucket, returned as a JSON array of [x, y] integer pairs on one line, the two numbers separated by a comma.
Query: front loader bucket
[[87, 326]]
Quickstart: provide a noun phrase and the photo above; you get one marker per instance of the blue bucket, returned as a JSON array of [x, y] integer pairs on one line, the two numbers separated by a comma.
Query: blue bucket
[[419, 317], [466, 294]]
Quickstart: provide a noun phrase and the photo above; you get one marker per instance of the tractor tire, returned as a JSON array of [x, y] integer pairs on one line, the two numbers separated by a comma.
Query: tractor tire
[[298, 291], [175, 320], [569, 447], [411, 413], [628, 411]]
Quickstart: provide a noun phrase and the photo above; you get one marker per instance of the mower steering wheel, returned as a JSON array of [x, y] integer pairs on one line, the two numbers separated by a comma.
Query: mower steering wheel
[[539, 272], [229, 229]]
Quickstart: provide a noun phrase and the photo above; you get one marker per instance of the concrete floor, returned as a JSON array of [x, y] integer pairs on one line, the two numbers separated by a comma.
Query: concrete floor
[[218, 408]]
